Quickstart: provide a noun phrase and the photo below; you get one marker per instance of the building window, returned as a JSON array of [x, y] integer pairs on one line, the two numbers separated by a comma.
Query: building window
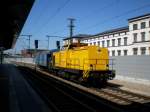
[[143, 50], [142, 36], [149, 23], [103, 43], [125, 41], [113, 53], [142, 25], [108, 42], [134, 26], [119, 41], [113, 42], [98, 43], [149, 36], [135, 50], [135, 37], [125, 52], [119, 52]]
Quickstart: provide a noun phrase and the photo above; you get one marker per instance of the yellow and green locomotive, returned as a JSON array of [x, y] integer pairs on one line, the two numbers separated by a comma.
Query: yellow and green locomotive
[[83, 62]]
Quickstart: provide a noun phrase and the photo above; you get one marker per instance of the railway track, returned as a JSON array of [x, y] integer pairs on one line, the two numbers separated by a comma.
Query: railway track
[[62, 98], [122, 97], [127, 95], [57, 99], [139, 103], [117, 100]]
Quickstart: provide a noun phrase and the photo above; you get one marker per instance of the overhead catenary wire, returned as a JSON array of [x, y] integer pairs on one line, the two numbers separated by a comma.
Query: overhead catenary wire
[[101, 9], [41, 13], [50, 18], [93, 12], [117, 16]]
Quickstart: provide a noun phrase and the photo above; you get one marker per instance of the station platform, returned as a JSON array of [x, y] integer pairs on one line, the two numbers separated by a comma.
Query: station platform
[[16, 95]]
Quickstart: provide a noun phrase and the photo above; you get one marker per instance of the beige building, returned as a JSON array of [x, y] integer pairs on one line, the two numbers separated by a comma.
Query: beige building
[[133, 39]]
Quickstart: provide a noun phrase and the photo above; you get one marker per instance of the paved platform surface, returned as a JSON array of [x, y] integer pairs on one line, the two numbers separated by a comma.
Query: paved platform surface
[[133, 87], [16, 95], [4, 90]]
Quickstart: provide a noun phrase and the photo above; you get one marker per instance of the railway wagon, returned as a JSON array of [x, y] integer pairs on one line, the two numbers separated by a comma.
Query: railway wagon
[[86, 62], [44, 59]]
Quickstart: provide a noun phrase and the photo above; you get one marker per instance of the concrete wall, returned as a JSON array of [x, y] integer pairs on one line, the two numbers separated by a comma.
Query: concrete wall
[[133, 68]]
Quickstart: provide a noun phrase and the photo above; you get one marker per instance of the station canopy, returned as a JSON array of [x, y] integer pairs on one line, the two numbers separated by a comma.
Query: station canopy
[[12, 19]]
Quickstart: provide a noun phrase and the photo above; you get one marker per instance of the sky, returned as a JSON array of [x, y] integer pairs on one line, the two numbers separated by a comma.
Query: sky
[[50, 17]]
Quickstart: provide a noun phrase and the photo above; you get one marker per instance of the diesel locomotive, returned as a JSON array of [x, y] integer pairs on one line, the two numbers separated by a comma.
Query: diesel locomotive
[[78, 61]]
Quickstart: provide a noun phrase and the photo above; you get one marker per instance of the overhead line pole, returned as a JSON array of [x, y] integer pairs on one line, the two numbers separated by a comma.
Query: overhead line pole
[[48, 40], [71, 26], [48, 36], [29, 39]]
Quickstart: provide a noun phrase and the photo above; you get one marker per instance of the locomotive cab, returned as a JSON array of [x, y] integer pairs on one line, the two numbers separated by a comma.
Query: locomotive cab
[[73, 42]]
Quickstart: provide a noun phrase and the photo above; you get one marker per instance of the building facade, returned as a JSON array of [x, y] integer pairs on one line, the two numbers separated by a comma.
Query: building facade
[[131, 40], [30, 53]]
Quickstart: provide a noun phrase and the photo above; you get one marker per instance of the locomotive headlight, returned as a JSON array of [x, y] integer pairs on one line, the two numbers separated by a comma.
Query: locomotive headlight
[[107, 66], [91, 66]]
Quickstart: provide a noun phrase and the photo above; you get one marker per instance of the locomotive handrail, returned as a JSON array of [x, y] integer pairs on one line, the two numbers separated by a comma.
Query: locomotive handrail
[[75, 63], [96, 63]]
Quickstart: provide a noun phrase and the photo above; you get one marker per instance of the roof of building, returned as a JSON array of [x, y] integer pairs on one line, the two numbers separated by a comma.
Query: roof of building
[[109, 32], [139, 17], [116, 30], [78, 36]]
